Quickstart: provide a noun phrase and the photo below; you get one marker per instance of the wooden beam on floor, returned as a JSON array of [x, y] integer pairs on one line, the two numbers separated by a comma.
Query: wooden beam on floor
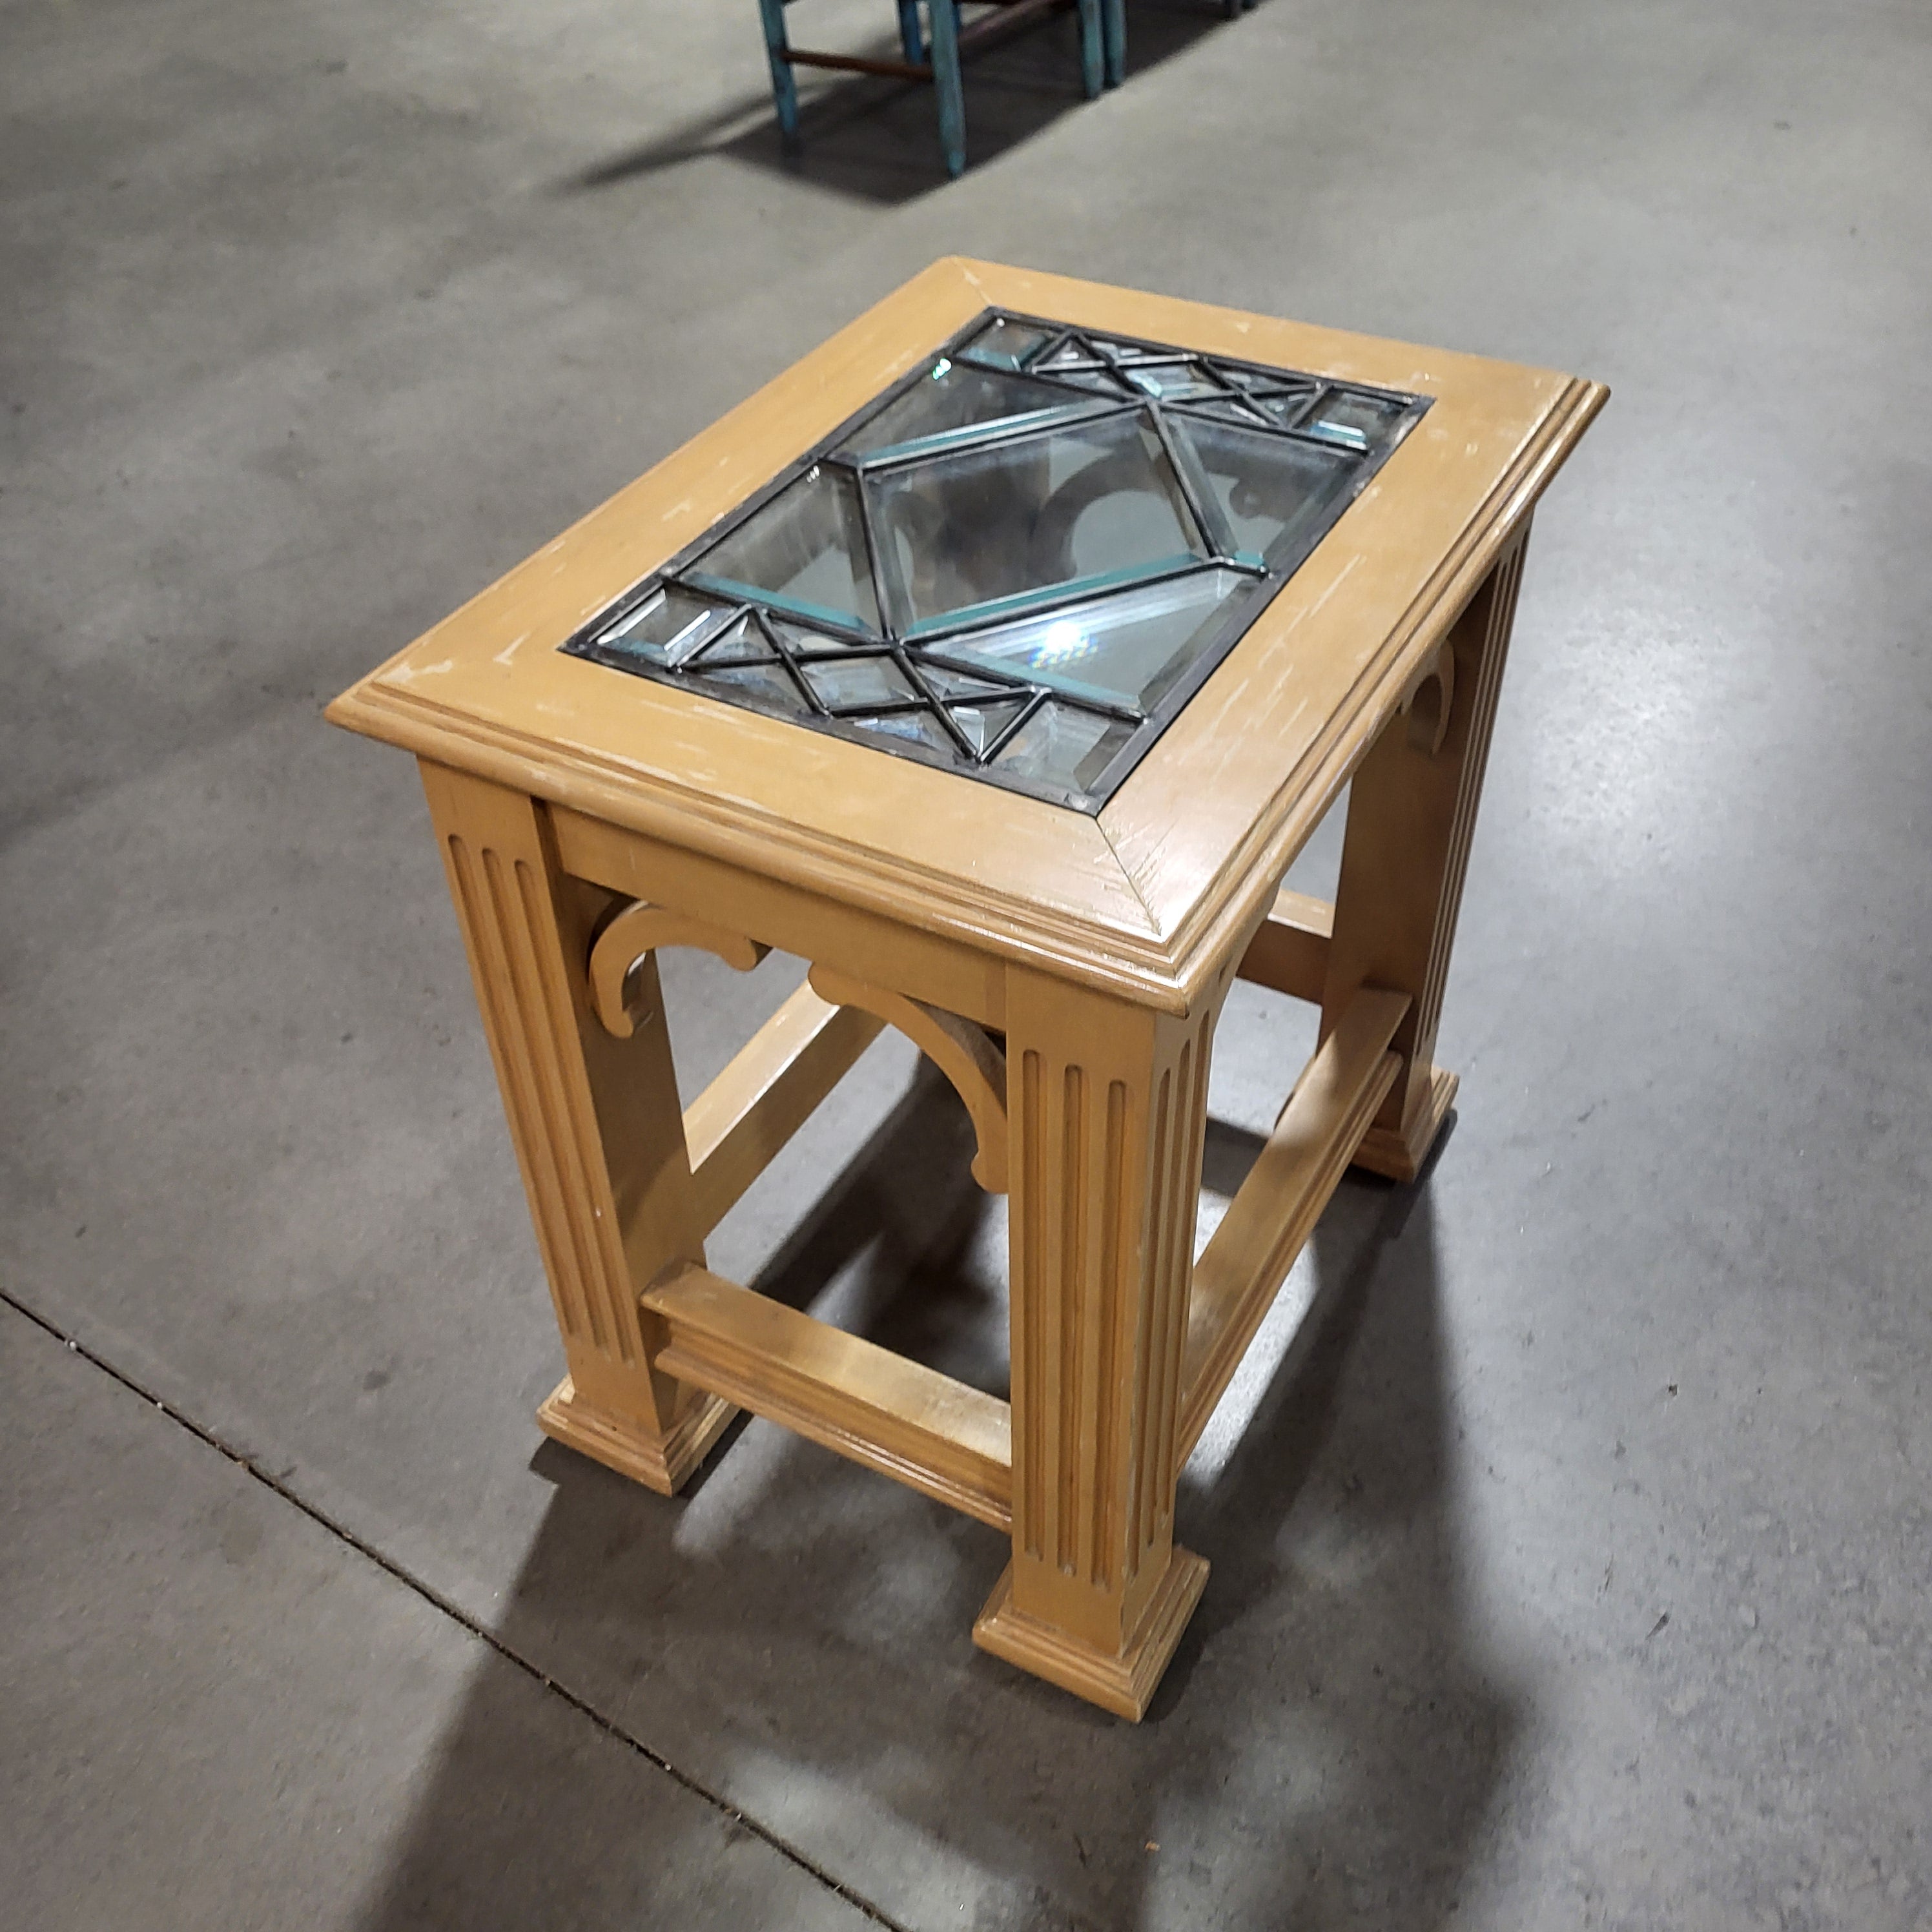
[[1241, 1271], [735, 1128], [909, 1422]]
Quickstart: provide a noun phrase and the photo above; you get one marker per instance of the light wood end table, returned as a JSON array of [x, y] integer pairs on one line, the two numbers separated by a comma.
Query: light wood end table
[[998, 660]]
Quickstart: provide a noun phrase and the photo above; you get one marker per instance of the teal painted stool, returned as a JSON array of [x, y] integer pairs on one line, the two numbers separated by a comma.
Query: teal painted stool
[[940, 64]]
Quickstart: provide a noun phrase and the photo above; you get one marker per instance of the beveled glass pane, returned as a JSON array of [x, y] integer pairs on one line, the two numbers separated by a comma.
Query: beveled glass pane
[[1000, 569], [1231, 408], [1102, 382], [741, 642], [804, 550], [1129, 647], [949, 684], [1172, 382], [1349, 415], [1006, 344], [952, 396], [1287, 409], [983, 723], [918, 728], [768, 681], [1273, 491], [856, 680], [1059, 746], [667, 627], [983, 527]]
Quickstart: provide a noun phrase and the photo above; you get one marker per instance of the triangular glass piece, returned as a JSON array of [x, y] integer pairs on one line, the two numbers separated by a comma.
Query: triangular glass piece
[[1232, 409], [951, 396], [1002, 344], [990, 530], [1102, 382], [804, 551], [1131, 647], [915, 727], [1277, 495], [1349, 417], [1072, 350], [770, 683], [856, 680], [949, 684], [1060, 746], [983, 723], [1172, 382], [1252, 379], [1287, 409], [741, 643], [666, 627]]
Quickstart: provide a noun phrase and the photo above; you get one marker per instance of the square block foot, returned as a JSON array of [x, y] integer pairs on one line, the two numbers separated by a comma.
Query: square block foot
[[1399, 1153], [1124, 1684], [659, 1463]]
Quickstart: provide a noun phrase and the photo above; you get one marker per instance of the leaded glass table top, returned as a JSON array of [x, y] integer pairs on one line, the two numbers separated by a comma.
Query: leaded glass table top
[[1174, 566], [1020, 560]]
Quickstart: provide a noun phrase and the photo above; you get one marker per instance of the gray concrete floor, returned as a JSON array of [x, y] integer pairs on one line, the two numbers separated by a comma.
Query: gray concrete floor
[[1572, 1568]]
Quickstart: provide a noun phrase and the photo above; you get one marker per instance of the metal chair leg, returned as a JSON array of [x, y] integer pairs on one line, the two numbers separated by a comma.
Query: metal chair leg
[[784, 92], [1115, 14], [911, 36], [1093, 49], [946, 83]]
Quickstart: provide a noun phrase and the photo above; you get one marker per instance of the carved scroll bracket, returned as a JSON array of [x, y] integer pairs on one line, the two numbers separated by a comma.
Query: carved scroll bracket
[[965, 1053], [640, 929], [1426, 702]]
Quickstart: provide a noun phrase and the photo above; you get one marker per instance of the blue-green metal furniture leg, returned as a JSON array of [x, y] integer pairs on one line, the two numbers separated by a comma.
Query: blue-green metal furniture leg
[[911, 36], [785, 94], [946, 82], [1115, 13], [1093, 48]]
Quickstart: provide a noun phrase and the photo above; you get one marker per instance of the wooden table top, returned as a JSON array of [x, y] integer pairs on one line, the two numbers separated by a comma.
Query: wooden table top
[[1146, 894]]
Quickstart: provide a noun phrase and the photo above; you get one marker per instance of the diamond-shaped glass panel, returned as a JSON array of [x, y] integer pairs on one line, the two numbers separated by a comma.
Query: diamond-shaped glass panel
[[1128, 648], [1007, 525], [804, 551], [1020, 561]]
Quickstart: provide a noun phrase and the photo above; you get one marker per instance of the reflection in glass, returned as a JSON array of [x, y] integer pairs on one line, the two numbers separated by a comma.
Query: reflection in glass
[[1127, 648], [805, 551], [1022, 517], [856, 680], [1005, 344], [1030, 506], [667, 627], [952, 396], [1273, 491], [1060, 746]]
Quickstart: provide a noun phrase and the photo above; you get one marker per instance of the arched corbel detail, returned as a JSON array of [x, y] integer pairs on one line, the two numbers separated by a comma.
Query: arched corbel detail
[[1426, 702], [965, 1053], [640, 929]]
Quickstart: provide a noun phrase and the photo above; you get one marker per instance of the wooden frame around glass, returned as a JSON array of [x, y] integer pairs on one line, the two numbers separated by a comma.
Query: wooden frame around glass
[[1064, 969]]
